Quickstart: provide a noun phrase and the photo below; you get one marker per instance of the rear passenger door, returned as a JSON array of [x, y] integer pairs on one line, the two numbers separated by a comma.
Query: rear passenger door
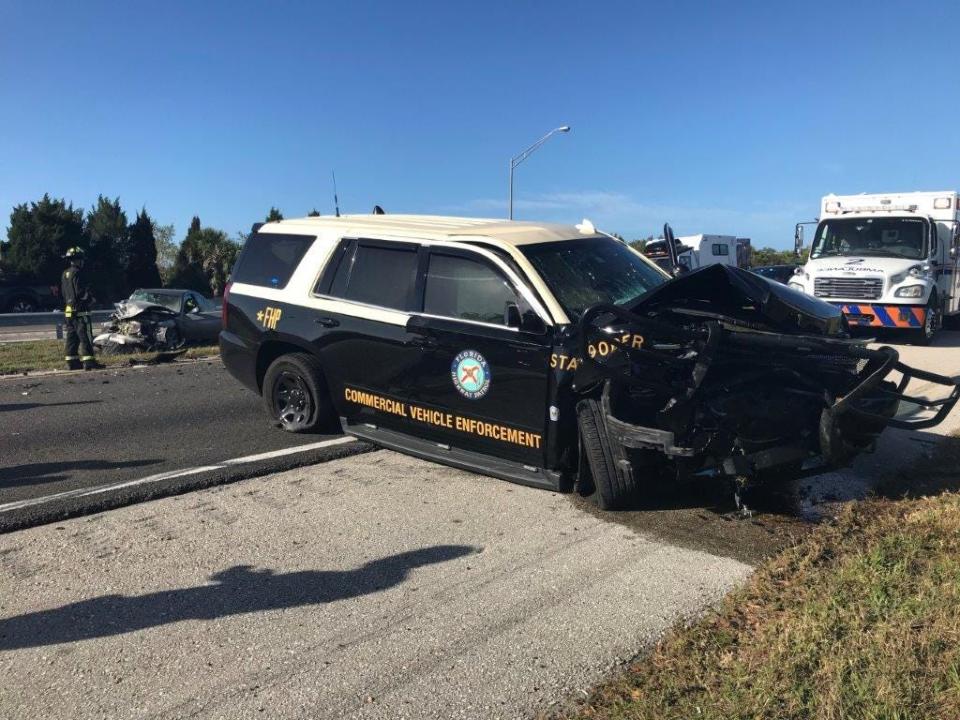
[[362, 340], [482, 384]]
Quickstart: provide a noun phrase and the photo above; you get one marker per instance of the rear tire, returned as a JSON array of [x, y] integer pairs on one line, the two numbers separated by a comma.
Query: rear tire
[[295, 393], [613, 488]]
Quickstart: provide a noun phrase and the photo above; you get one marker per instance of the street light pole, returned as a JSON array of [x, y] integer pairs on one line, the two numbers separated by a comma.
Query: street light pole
[[514, 161]]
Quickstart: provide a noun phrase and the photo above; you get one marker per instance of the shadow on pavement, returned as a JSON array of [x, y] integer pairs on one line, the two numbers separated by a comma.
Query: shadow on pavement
[[12, 407], [235, 591], [46, 472]]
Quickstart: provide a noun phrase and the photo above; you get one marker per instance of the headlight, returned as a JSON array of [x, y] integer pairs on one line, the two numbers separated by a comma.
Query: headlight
[[796, 286], [911, 291]]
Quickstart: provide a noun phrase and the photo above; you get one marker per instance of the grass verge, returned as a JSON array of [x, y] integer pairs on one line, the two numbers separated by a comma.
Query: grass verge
[[21, 357], [860, 619]]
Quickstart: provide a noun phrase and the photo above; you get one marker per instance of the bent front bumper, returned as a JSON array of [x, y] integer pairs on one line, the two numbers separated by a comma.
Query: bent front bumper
[[883, 316], [849, 423]]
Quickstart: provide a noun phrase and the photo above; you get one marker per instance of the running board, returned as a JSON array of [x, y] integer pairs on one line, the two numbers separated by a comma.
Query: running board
[[455, 457]]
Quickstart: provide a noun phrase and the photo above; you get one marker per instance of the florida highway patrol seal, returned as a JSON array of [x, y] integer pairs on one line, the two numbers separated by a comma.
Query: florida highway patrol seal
[[471, 374]]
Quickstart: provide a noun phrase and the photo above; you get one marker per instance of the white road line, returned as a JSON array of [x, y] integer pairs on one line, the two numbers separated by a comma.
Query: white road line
[[112, 487]]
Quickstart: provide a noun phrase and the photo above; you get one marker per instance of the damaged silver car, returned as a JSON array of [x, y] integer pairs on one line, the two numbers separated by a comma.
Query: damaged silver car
[[138, 326]]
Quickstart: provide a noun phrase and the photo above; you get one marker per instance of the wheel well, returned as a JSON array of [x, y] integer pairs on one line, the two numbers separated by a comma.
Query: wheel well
[[270, 351]]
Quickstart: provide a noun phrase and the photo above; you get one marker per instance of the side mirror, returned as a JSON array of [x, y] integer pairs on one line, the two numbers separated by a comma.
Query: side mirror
[[533, 323], [798, 240], [511, 316]]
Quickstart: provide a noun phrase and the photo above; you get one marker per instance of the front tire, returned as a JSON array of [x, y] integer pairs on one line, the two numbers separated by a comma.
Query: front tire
[[295, 393], [22, 305], [613, 488], [932, 322]]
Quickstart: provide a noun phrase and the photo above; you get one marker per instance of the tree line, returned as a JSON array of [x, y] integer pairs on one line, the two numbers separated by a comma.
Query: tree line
[[121, 255]]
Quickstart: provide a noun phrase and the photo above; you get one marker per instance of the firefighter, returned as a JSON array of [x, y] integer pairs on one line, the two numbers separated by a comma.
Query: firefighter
[[77, 299]]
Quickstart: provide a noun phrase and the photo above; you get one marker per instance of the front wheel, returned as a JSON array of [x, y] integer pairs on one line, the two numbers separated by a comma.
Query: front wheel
[[613, 486], [295, 393], [932, 322], [22, 305]]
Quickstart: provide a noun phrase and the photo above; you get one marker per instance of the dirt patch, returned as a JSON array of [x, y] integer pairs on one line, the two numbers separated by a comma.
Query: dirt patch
[[700, 515]]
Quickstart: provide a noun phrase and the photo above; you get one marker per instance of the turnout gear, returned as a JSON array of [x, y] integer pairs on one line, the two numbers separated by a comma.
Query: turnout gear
[[77, 298]]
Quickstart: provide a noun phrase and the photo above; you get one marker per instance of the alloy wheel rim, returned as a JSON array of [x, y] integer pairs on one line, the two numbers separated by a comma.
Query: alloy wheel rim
[[930, 323], [292, 401]]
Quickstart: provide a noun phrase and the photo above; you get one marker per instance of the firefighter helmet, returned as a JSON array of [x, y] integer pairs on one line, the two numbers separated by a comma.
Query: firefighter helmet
[[75, 252]]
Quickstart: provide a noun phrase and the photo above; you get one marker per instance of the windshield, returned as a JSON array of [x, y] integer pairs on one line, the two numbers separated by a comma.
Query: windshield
[[872, 237], [154, 298], [581, 273]]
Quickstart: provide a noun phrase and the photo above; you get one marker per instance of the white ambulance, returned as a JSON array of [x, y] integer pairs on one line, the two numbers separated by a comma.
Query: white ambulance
[[887, 260]]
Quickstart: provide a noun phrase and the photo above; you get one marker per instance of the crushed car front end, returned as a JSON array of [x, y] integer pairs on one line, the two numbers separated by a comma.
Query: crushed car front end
[[724, 372]]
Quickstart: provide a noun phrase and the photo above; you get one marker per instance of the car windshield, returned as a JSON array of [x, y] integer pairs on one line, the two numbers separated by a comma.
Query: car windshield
[[168, 300], [581, 273], [872, 237]]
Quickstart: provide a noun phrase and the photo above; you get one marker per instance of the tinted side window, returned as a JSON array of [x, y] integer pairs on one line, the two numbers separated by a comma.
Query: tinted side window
[[384, 276], [458, 287], [719, 249], [269, 259]]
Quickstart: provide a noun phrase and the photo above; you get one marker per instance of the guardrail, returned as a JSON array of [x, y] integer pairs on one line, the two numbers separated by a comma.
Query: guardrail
[[12, 323]]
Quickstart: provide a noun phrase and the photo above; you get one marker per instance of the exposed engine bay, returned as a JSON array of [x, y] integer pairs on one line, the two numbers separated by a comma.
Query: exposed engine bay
[[137, 327], [743, 378]]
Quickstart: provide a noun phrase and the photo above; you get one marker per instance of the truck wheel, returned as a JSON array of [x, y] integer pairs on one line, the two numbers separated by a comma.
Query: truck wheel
[[295, 393], [612, 488], [932, 322], [22, 305]]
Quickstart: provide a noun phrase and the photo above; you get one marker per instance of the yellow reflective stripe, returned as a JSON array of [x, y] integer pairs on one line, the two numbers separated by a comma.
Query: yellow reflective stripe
[[72, 357], [86, 357]]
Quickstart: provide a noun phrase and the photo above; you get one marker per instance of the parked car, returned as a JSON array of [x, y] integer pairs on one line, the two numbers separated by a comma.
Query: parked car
[[553, 355], [780, 273], [22, 295]]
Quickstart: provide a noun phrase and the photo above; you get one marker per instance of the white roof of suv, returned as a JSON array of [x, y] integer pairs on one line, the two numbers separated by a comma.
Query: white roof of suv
[[436, 227]]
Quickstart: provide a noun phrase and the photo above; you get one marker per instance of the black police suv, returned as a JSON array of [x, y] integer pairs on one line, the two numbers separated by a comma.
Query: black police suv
[[550, 355]]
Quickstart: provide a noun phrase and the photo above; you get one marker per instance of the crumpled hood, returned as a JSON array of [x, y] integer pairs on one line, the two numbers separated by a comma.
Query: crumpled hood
[[726, 290], [129, 309]]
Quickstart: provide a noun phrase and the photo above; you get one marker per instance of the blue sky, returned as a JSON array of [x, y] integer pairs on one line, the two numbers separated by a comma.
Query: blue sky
[[719, 117]]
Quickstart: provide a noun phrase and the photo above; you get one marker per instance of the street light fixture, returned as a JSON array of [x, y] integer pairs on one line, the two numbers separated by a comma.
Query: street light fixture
[[527, 153]]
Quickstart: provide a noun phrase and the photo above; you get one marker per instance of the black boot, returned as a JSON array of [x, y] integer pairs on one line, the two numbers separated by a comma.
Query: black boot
[[74, 365], [92, 365]]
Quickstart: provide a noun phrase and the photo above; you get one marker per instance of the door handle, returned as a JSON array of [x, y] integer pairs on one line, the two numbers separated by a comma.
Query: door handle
[[328, 322]]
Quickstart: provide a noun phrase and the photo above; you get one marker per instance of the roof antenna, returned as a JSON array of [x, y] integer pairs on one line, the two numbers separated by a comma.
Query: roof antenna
[[336, 203]]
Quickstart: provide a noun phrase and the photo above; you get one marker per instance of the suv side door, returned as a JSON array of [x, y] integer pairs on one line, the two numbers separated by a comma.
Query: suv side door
[[481, 384], [362, 339]]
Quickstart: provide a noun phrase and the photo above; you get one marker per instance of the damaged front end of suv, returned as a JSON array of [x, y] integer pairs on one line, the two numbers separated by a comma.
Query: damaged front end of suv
[[724, 373]]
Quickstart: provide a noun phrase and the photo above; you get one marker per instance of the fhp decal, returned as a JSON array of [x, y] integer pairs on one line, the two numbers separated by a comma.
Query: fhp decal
[[269, 317], [470, 374]]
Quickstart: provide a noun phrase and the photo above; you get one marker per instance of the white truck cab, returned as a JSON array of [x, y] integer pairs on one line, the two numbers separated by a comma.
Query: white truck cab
[[887, 260]]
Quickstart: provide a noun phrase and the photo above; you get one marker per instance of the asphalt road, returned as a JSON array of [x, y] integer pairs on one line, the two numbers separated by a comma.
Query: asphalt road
[[371, 586], [80, 430]]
